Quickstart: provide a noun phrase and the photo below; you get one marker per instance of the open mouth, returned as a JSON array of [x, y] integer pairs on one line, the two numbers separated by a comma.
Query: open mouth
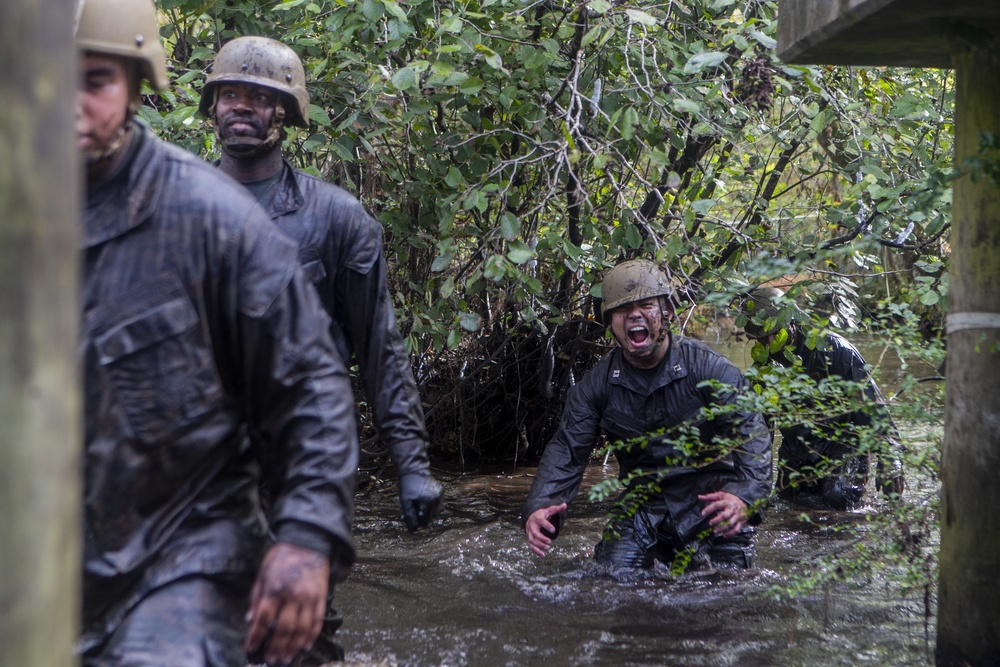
[[638, 335]]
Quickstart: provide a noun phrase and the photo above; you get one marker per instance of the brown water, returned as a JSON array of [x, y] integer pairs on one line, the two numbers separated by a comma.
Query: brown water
[[469, 592]]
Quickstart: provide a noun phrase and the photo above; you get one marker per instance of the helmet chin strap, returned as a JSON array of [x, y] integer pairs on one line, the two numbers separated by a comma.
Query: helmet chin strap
[[93, 158], [245, 148]]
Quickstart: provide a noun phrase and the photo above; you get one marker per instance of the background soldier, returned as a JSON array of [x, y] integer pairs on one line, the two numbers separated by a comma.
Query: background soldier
[[826, 457], [256, 88]]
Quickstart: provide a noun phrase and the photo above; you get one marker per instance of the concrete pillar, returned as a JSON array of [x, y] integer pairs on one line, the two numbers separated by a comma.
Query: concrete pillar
[[40, 425], [969, 592]]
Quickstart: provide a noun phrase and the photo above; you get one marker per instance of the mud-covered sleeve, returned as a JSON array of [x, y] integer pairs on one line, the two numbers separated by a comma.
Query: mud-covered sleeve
[[298, 396], [365, 312], [751, 451], [561, 468]]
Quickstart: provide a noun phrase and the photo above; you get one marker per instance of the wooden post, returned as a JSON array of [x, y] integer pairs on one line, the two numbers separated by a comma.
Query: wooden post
[[40, 425], [969, 592]]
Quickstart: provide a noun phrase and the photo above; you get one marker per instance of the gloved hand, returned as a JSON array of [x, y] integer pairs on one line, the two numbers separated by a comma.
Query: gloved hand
[[889, 478], [419, 494]]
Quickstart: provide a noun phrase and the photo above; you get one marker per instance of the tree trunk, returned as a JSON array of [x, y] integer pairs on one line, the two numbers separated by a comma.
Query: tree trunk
[[969, 591], [39, 399]]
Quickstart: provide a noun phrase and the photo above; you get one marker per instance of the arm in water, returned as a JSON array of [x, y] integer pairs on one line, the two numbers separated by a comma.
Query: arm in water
[[540, 531]]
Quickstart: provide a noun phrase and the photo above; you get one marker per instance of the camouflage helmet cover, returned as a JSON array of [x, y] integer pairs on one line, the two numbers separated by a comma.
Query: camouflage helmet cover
[[761, 305], [634, 280], [260, 61], [124, 28]]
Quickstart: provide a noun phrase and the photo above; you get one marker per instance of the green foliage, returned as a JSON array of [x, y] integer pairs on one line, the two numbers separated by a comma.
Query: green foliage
[[515, 150]]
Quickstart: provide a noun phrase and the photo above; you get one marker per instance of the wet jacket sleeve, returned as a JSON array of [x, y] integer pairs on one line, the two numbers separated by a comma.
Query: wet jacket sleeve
[[847, 362], [369, 322], [561, 468], [298, 395]]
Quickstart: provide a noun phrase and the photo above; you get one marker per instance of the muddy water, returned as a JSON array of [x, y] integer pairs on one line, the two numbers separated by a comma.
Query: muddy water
[[469, 592]]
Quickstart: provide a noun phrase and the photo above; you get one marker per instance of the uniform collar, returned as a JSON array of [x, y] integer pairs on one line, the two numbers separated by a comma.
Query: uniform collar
[[644, 381], [286, 196], [131, 197]]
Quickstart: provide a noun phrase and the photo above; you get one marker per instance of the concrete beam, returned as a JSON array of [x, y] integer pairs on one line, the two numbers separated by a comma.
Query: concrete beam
[[911, 33]]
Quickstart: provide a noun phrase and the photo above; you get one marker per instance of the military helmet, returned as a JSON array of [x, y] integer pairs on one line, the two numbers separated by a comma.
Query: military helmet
[[125, 28], [634, 280], [260, 61], [761, 305]]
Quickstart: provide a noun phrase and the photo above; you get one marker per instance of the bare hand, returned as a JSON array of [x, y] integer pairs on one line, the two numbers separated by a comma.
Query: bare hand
[[728, 512], [288, 602], [538, 524]]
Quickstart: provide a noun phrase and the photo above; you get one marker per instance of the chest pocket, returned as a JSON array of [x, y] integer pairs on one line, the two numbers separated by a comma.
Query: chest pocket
[[158, 360], [312, 265]]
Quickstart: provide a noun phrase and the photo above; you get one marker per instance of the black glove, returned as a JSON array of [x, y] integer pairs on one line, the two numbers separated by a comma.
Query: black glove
[[419, 494], [889, 478]]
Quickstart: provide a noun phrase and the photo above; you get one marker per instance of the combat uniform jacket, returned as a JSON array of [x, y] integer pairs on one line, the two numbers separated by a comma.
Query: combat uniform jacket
[[834, 356], [628, 403], [340, 248], [196, 323]]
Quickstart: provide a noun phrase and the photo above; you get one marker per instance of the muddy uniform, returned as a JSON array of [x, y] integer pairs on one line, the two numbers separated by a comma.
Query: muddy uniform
[[340, 248], [808, 446], [625, 403], [197, 322]]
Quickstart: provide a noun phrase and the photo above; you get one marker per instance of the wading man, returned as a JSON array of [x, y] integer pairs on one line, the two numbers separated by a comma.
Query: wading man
[[828, 457], [197, 325], [645, 394], [256, 88]]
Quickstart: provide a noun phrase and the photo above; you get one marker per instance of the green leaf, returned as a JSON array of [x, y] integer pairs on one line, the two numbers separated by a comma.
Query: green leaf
[[441, 262], [700, 61], [452, 24], [373, 10], [703, 206], [454, 177], [472, 85], [494, 60], [405, 79], [764, 40], [510, 226], [470, 321], [929, 298], [447, 287], [637, 16], [759, 353], [519, 252], [494, 269], [599, 6], [591, 35], [629, 119], [633, 237], [318, 115], [686, 106], [395, 10]]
